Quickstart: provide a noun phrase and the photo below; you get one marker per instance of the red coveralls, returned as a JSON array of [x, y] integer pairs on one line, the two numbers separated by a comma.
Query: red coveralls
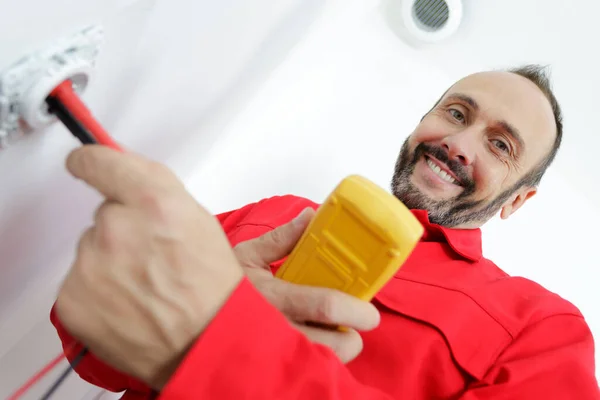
[[453, 326]]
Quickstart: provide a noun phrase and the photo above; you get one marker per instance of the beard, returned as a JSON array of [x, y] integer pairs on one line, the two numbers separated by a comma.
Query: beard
[[459, 210]]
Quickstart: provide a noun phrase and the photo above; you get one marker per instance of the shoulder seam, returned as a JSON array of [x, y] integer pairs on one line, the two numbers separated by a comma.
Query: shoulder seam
[[563, 314]]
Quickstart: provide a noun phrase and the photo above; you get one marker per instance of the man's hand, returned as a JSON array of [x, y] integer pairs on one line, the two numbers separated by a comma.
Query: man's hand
[[306, 306], [151, 272]]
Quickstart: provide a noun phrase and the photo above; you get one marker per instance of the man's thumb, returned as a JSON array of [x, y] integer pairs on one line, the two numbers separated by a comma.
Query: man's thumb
[[275, 244]]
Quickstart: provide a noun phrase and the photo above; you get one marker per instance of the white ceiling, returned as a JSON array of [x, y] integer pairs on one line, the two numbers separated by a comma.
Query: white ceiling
[[562, 34]]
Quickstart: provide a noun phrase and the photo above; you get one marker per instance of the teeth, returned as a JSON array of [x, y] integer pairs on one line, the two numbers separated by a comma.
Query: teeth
[[442, 174]]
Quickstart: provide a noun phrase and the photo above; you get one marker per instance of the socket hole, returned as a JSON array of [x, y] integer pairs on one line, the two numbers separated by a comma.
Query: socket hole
[[79, 82]]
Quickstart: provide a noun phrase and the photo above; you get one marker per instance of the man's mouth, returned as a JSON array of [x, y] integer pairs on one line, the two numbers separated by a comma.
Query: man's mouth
[[442, 172]]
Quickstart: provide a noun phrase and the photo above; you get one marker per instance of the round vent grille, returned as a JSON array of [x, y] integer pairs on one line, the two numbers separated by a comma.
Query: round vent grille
[[429, 21], [431, 14]]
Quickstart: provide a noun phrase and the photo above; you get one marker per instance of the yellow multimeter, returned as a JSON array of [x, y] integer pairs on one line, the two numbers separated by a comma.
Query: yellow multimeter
[[356, 242]]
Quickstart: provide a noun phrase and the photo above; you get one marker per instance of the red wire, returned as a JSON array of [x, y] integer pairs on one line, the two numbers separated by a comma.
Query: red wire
[[67, 96], [36, 378]]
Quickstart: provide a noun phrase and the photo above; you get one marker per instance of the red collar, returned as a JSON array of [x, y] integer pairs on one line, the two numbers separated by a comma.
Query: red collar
[[465, 242]]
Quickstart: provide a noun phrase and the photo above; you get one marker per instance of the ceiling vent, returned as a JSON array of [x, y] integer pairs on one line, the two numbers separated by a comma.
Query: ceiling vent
[[425, 21]]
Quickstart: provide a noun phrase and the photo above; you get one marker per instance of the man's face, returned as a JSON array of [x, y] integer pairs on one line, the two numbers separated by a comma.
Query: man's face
[[464, 160]]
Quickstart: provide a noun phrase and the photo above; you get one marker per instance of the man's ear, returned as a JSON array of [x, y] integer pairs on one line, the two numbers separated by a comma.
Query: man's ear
[[516, 201]]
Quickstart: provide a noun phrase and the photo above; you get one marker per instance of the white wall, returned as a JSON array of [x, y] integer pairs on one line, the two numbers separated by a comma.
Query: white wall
[[272, 97]]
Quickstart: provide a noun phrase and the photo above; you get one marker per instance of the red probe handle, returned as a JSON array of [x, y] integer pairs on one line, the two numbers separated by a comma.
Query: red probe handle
[[66, 95]]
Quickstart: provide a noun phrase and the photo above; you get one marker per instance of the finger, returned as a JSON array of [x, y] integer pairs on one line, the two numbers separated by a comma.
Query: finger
[[346, 345], [119, 229], [325, 306], [85, 242], [275, 244], [104, 211], [70, 287], [122, 177]]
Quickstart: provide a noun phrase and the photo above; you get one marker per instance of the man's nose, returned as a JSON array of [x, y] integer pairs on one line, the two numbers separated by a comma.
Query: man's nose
[[460, 147]]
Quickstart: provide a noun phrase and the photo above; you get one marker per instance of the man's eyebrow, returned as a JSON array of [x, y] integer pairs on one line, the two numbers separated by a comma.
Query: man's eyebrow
[[467, 99], [512, 131]]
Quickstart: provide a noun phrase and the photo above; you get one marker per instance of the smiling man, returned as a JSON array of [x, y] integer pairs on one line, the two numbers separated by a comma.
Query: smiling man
[[156, 293]]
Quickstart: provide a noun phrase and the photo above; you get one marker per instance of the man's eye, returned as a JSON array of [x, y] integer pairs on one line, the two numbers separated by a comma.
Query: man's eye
[[501, 145], [457, 115]]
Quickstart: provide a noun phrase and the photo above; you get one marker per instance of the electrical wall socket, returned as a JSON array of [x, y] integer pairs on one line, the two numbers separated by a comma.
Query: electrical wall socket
[[25, 85]]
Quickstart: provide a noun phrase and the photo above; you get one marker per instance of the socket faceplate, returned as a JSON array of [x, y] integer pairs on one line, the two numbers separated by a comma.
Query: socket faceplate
[[25, 84]]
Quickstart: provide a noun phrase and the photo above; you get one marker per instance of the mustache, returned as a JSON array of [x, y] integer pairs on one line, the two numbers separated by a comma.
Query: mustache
[[456, 167]]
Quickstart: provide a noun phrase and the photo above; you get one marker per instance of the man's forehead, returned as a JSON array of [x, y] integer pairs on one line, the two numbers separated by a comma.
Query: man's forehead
[[500, 87]]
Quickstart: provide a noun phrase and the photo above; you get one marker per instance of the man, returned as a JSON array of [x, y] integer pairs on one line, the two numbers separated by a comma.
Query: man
[[157, 293]]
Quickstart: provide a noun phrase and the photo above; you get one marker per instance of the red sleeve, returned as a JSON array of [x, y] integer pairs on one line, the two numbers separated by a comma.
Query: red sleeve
[[553, 359], [92, 369], [250, 351], [98, 373]]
